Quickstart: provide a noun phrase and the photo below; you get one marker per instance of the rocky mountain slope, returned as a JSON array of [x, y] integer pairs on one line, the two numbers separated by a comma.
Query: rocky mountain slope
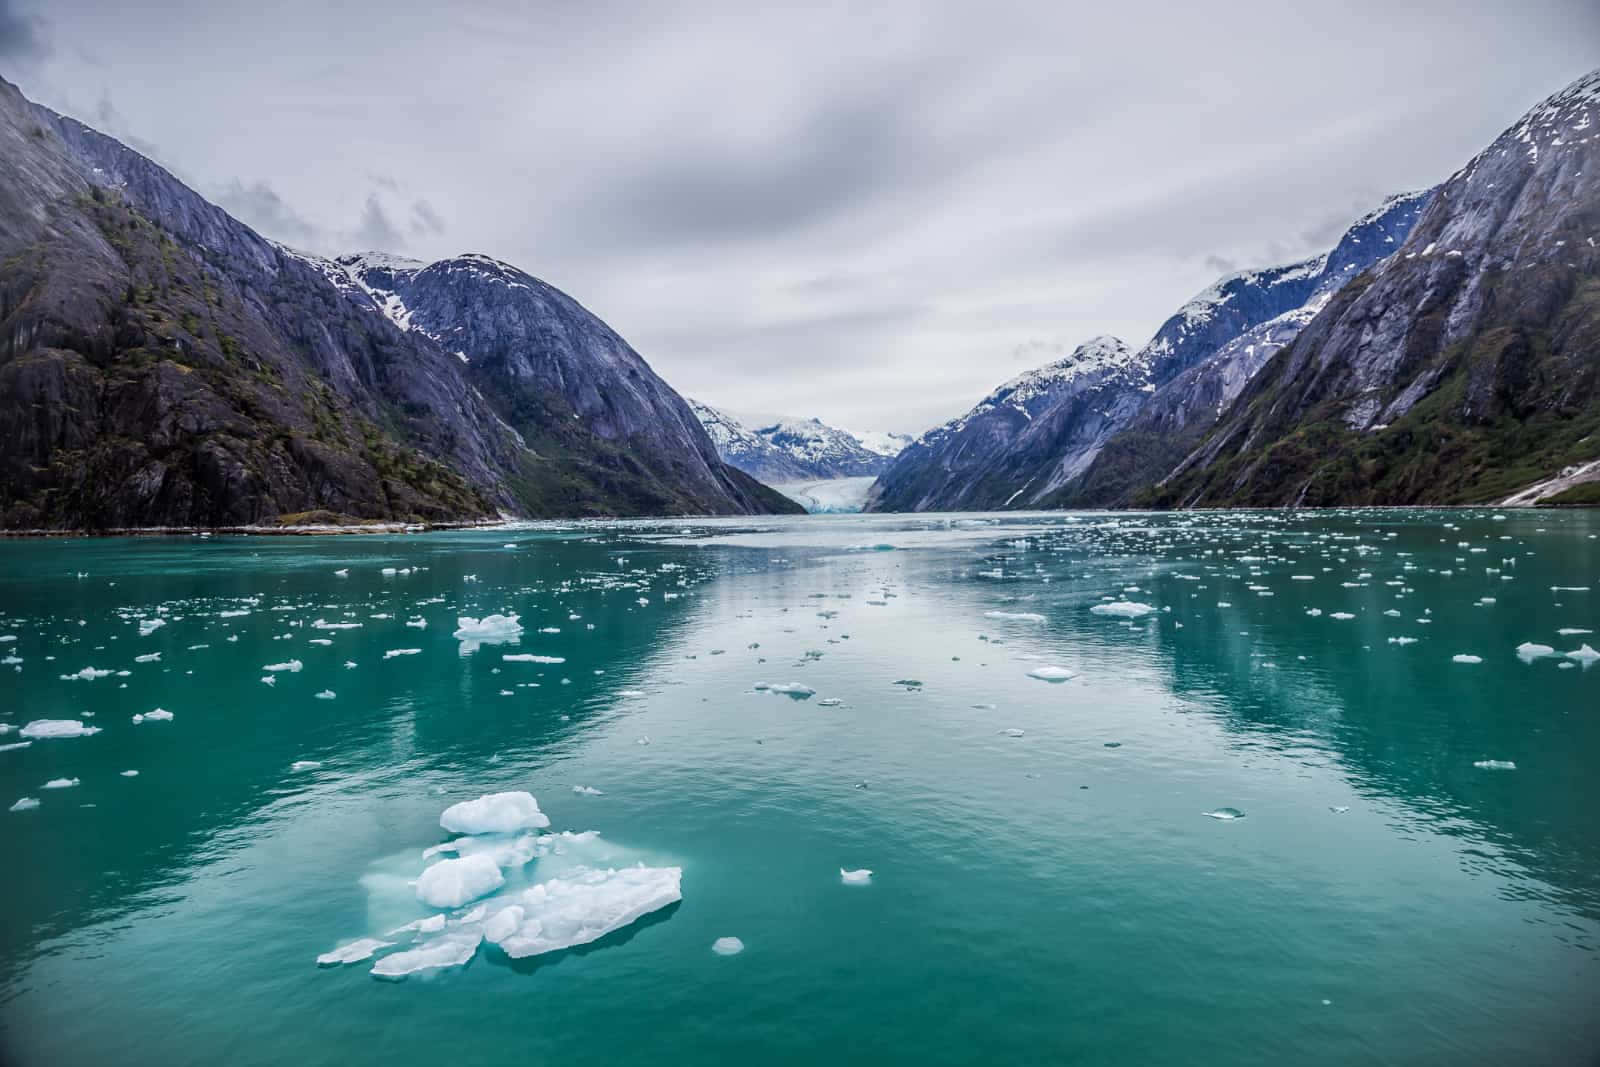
[[1461, 369], [1093, 441], [162, 364], [780, 451]]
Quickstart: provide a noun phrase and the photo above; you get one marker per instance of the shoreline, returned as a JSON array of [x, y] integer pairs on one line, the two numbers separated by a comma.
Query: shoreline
[[289, 530]]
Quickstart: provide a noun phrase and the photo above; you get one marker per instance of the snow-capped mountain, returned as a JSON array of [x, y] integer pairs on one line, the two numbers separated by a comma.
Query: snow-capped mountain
[[1462, 368], [784, 450], [1091, 447], [175, 368]]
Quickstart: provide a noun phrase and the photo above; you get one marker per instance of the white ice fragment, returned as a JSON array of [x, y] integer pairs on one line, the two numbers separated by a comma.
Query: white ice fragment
[[1495, 765], [1225, 814], [1584, 655], [860, 877], [1342, 616], [148, 657], [150, 626], [452, 883], [44, 729], [586, 904], [25, 804], [727, 946], [1051, 674], [448, 950], [326, 694], [1014, 616], [432, 924], [495, 813], [587, 791], [60, 783], [488, 627], [158, 715], [130, 774], [292, 666], [529, 657], [1528, 651], [1465, 657], [1012, 731], [1123, 609], [354, 952], [393, 652], [88, 674], [304, 765]]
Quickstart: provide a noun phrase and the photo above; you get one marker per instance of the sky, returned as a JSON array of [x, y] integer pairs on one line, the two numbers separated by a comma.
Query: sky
[[872, 213]]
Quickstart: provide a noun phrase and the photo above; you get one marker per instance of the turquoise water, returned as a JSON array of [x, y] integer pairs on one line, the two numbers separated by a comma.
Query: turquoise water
[[1037, 898]]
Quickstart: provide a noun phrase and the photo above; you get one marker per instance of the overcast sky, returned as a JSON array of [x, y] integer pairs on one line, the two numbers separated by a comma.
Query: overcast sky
[[868, 212]]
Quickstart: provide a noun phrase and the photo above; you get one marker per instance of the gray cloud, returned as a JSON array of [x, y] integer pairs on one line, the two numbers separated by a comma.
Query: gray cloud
[[870, 213], [375, 232], [259, 206]]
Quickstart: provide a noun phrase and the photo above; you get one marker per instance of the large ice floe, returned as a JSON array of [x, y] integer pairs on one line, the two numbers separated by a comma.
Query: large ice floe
[[489, 630], [502, 883]]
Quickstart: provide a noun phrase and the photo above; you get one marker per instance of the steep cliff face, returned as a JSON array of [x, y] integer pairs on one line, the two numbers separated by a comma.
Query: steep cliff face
[[1193, 392], [1096, 447], [162, 364], [602, 432], [780, 451], [1460, 369], [1024, 440]]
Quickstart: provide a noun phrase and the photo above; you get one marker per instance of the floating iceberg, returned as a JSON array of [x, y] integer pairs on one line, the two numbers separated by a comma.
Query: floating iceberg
[[1465, 657], [24, 804], [488, 628], [449, 950], [727, 946], [861, 877], [495, 813], [1052, 674], [158, 715], [354, 952], [1123, 609], [43, 729], [452, 883], [292, 666], [583, 906], [793, 690], [60, 783], [1528, 651], [1584, 655]]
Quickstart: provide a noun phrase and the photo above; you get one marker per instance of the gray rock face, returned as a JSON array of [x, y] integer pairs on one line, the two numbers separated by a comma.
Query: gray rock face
[[1092, 441], [1458, 369], [780, 451], [162, 364]]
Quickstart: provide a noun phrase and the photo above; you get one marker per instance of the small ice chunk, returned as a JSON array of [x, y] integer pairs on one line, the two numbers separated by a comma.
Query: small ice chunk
[[130, 774], [292, 666], [354, 952], [452, 883], [727, 946], [1584, 655], [1123, 609], [1015, 616], [1225, 814], [469, 628], [148, 657], [304, 765], [1528, 651], [1465, 657], [793, 690], [587, 791], [1012, 731], [342, 572], [393, 652], [495, 813], [158, 715], [88, 674], [1051, 674], [1342, 616], [60, 783], [432, 924], [448, 950], [586, 904], [25, 804], [326, 694], [860, 877], [150, 626], [1495, 765], [529, 657], [44, 729]]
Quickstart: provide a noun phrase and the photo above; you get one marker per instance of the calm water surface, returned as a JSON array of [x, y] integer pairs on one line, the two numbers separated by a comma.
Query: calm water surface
[[1053, 896]]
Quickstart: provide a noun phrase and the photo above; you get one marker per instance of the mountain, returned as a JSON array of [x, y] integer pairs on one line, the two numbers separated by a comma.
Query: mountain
[[161, 364], [1091, 442], [782, 450], [1461, 369]]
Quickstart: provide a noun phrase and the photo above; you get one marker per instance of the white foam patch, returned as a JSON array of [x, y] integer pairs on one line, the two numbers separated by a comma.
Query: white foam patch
[[495, 813], [1015, 616], [584, 906]]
